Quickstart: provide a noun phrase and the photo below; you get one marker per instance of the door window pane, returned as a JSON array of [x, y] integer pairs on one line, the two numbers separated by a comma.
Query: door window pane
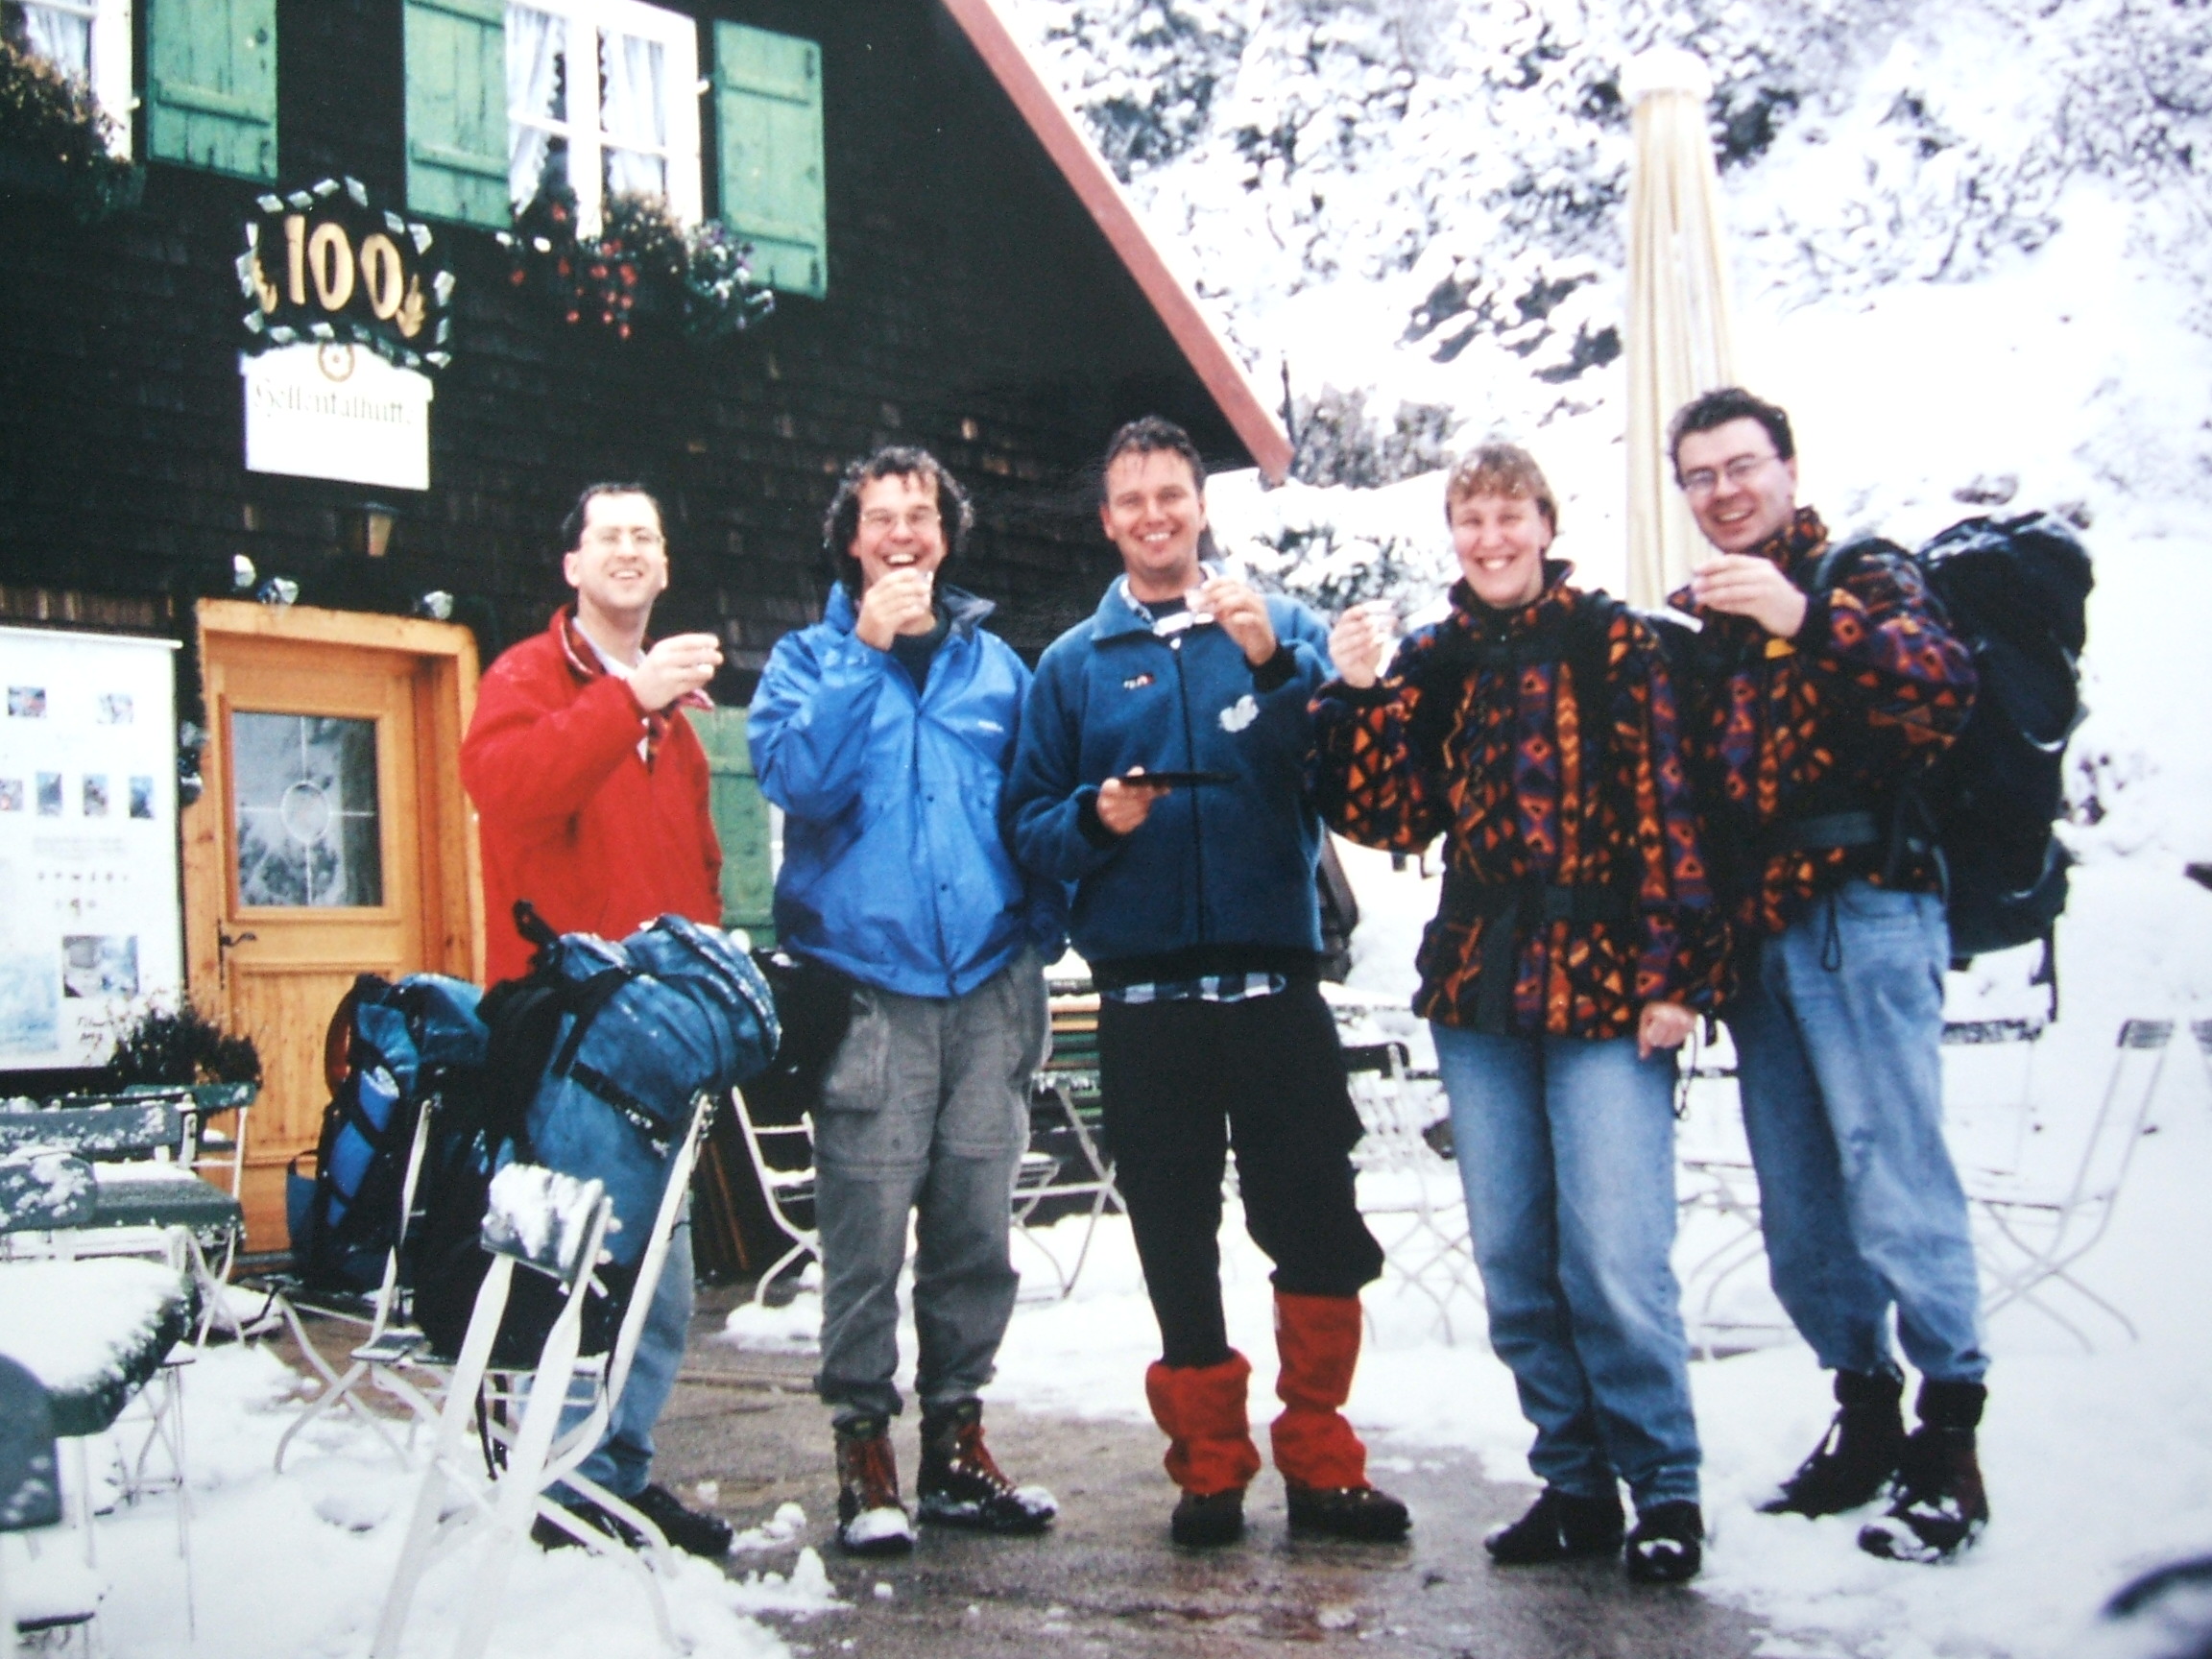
[[306, 816]]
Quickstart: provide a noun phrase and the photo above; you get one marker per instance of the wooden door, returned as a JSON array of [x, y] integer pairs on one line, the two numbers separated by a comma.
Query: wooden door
[[333, 839]]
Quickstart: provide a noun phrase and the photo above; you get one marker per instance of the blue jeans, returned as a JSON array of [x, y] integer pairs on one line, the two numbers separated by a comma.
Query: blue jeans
[[624, 1459], [1566, 1147], [1839, 1026], [925, 1112]]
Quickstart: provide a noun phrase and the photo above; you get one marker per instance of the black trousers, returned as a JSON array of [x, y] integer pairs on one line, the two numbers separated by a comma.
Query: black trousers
[[1183, 1083]]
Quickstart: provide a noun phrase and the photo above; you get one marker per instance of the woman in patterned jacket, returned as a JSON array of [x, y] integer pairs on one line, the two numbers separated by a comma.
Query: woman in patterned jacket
[[1574, 946]]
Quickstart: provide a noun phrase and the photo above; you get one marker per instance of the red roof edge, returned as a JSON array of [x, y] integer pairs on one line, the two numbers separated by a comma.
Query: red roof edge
[[1100, 194]]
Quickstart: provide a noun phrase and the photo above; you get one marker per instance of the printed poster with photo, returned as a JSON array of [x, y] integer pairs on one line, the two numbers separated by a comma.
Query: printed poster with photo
[[90, 914]]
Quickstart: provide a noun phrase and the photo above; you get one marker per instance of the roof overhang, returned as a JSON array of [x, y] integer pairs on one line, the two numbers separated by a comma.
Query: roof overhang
[[1102, 197]]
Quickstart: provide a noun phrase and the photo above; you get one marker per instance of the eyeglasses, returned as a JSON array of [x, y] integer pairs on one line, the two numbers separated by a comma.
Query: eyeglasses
[[881, 520], [1705, 480], [613, 535]]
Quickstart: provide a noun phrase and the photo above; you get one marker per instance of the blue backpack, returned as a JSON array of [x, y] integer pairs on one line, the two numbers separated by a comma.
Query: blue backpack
[[390, 1047], [591, 1065]]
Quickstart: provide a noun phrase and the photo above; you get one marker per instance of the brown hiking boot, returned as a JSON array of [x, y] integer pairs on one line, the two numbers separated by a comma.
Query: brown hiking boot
[[1941, 1506], [961, 1483], [870, 1521]]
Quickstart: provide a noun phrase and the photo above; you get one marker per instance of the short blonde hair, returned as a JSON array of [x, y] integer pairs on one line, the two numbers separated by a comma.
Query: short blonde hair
[[1501, 470]]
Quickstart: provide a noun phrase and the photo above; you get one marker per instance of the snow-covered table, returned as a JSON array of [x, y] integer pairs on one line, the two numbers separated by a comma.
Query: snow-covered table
[[93, 1332]]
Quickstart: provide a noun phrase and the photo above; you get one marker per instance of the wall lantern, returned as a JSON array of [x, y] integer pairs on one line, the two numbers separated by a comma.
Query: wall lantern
[[371, 532]]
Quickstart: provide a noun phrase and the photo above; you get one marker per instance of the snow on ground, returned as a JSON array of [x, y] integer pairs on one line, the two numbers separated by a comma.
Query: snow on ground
[[333, 1524]]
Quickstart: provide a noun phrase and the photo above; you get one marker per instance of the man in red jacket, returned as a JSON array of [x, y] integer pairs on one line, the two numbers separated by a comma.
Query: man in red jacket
[[590, 788], [590, 792]]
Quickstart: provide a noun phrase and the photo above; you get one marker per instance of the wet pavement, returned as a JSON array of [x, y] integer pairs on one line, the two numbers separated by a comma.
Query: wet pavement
[[1107, 1581]]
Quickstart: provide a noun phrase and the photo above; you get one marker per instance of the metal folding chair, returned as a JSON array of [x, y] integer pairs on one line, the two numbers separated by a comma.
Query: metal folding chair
[[555, 1225], [783, 1159], [30, 1501], [2034, 1227], [1409, 1191], [394, 1347]]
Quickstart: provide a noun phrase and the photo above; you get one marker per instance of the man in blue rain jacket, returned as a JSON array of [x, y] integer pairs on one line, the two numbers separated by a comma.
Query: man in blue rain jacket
[[885, 732]]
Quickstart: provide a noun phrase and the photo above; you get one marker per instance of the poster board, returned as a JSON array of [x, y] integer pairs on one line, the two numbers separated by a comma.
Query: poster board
[[90, 927]]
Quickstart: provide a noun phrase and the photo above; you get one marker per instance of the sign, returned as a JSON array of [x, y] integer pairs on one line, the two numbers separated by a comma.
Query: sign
[[90, 932], [325, 266], [337, 411]]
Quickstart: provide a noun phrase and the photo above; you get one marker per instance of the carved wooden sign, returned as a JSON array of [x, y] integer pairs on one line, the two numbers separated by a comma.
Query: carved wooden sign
[[324, 265]]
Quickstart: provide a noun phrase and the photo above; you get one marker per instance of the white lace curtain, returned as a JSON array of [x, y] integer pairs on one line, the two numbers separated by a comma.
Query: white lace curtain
[[536, 103], [634, 115], [62, 35]]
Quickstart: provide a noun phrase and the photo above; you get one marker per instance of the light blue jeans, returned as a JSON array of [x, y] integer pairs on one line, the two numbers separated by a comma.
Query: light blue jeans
[[623, 1462], [1839, 1027], [1566, 1147]]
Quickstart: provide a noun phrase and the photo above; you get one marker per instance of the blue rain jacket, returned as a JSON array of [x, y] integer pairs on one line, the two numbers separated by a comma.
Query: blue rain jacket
[[1216, 864], [895, 870]]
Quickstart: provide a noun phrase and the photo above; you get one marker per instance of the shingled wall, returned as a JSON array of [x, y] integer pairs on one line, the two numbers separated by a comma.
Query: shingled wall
[[973, 308]]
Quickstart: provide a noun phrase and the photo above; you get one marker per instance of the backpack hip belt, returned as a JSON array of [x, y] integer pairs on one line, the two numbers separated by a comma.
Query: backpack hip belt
[[1510, 906]]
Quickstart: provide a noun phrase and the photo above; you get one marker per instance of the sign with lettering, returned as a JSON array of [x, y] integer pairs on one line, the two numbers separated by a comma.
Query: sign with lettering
[[337, 410], [326, 266]]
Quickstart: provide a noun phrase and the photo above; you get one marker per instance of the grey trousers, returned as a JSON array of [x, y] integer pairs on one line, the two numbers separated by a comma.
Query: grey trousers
[[925, 1112]]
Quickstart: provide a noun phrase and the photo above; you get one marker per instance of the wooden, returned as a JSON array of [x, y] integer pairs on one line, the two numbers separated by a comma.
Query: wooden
[[416, 682]]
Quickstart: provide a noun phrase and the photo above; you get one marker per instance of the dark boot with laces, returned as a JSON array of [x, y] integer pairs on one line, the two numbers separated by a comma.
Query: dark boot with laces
[[962, 1485], [870, 1521], [1559, 1527], [1939, 1506], [1857, 1457], [1359, 1514], [1669, 1544]]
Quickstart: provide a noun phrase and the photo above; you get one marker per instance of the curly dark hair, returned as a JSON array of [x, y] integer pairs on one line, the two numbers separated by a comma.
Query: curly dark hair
[[1714, 409], [841, 524]]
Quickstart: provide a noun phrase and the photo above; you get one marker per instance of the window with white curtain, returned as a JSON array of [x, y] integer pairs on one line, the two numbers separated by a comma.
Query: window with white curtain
[[608, 91], [88, 38]]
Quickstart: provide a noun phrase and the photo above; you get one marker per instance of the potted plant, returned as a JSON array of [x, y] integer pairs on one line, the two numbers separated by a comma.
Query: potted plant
[[54, 139]]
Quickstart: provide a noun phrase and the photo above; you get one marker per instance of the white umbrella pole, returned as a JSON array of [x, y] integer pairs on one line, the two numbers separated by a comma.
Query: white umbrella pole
[[1679, 341]]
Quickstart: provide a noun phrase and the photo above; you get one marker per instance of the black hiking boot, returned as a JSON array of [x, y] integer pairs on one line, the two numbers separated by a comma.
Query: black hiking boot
[[1361, 1514], [1940, 1507], [1669, 1544], [870, 1521], [1857, 1457], [695, 1531], [551, 1535], [1558, 1526], [962, 1485], [1208, 1520]]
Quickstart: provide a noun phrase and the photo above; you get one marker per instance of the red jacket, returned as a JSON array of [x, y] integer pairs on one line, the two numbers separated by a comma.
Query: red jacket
[[571, 816]]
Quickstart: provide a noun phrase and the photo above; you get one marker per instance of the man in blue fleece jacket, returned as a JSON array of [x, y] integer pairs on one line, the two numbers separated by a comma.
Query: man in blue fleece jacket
[[1161, 770], [885, 732]]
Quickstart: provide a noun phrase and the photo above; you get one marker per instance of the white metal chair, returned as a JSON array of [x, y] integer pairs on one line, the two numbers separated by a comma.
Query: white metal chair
[[783, 1159], [2036, 1223], [1409, 1190], [393, 1348], [1063, 1175], [554, 1225], [98, 1333]]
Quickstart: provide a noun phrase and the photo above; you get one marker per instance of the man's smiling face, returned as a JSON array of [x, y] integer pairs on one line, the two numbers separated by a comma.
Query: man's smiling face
[[1153, 514], [619, 565], [1741, 492]]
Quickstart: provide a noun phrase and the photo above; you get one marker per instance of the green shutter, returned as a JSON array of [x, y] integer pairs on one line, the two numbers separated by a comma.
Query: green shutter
[[768, 117], [211, 84], [741, 822], [457, 110]]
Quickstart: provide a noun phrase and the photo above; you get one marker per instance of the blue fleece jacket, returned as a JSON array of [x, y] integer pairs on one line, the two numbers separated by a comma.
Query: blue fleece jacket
[[895, 870], [1220, 876]]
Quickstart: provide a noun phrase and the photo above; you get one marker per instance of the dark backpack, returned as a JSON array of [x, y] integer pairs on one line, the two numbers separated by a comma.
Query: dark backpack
[[2016, 591], [592, 1060], [390, 1048]]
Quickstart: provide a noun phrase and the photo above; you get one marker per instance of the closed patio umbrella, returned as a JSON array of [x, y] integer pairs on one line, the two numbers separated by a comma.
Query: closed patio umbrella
[[1678, 336]]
